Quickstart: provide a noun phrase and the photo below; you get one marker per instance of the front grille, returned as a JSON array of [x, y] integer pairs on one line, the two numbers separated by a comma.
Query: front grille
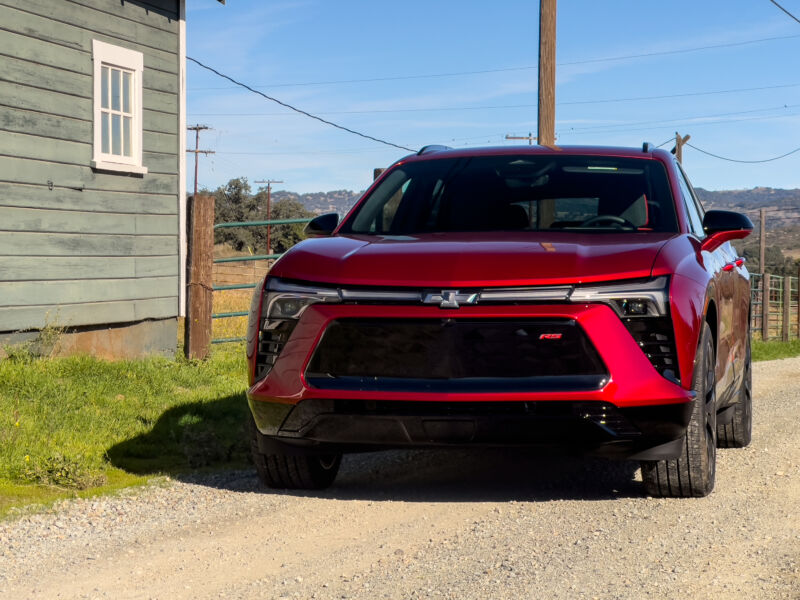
[[656, 339], [271, 340], [469, 355]]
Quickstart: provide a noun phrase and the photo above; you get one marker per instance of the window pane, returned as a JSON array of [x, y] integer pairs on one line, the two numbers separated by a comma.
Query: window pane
[[115, 77], [126, 92], [126, 136], [104, 87], [116, 135], [104, 132]]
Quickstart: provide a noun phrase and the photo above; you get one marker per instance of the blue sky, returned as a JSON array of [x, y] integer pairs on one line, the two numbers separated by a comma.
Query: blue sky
[[416, 54]]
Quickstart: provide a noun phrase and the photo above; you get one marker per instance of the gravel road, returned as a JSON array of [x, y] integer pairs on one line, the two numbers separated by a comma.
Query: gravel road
[[450, 524]]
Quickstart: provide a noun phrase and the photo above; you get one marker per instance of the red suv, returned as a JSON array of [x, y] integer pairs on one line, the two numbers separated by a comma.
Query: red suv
[[558, 296]]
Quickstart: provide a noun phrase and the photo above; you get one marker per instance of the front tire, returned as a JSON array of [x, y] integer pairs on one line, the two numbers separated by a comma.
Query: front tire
[[739, 432], [692, 474], [295, 470]]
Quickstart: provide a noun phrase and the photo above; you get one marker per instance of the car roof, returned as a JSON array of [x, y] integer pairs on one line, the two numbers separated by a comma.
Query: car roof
[[433, 152]]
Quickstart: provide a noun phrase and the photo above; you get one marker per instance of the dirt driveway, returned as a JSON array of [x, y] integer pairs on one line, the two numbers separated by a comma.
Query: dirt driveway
[[450, 524]]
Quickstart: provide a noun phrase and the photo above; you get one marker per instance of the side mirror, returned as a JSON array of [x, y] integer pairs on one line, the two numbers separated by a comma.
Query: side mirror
[[723, 226], [322, 226]]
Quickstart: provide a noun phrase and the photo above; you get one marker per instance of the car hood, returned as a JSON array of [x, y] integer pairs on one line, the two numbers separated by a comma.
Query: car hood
[[472, 259]]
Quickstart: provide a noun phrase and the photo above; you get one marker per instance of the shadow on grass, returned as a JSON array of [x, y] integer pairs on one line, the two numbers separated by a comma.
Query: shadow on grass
[[206, 443], [188, 437]]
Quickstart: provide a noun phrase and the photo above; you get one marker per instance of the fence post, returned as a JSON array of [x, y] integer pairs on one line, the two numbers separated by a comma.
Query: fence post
[[787, 302], [765, 307], [197, 338]]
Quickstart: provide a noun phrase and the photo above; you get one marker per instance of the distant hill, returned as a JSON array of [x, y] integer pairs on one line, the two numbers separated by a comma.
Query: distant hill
[[338, 201], [783, 206]]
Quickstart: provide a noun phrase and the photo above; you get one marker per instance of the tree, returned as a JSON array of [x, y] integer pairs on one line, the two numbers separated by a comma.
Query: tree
[[776, 262], [286, 236], [234, 202]]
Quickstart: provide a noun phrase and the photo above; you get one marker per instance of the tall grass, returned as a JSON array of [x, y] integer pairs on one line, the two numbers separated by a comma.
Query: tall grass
[[230, 301]]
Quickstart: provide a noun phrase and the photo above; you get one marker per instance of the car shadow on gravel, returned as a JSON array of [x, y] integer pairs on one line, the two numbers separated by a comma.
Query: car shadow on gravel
[[481, 474], [457, 475], [205, 443]]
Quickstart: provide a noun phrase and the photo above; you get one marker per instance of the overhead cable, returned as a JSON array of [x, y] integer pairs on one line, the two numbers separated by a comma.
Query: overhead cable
[[297, 110], [507, 106], [524, 68], [741, 161], [683, 119], [786, 11]]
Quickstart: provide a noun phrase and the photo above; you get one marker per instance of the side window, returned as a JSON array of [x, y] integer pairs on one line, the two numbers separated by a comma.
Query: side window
[[117, 108], [691, 204]]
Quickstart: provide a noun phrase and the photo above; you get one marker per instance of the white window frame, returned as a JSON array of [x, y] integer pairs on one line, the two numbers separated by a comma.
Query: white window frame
[[130, 60]]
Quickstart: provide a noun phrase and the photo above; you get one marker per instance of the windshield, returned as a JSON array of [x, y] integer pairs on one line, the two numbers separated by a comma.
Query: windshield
[[519, 193]]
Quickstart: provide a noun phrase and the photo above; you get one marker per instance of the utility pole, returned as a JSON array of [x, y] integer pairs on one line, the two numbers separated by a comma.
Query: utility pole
[[762, 241], [530, 137], [679, 142], [547, 72], [197, 129], [269, 183]]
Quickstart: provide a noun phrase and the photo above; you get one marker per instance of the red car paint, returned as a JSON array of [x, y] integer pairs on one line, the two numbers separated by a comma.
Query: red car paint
[[707, 281]]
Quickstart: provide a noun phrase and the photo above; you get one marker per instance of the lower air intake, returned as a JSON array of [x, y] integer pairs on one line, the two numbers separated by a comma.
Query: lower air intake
[[469, 355]]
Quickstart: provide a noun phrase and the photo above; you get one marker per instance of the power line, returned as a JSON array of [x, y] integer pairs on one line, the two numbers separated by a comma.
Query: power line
[[786, 11], [682, 95], [682, 119], [507, 106], [742, 161], [511, 69], [671, 124], [295, 109], [682, 51]]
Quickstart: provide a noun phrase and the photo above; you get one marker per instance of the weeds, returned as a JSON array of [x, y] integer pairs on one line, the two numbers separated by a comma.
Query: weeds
[[773, 350], [59, 470], [72, 422]]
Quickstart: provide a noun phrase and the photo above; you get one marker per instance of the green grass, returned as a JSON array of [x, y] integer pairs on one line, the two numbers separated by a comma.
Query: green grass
[[773, 350], [82, 426]]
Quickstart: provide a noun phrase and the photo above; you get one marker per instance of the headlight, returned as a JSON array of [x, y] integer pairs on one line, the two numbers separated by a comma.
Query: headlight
[[644, 309], [638, 299], [283, 305], [289, 300]]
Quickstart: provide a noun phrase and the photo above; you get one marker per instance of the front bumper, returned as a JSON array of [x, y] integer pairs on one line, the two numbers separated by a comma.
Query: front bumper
[[633, 411]]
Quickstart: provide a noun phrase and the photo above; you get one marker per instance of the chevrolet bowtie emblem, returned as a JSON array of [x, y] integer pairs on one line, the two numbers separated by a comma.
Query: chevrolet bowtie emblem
[[451, 298]]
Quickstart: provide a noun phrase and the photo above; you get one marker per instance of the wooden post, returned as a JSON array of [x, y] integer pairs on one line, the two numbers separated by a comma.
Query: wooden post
[[679, 142], [762, 241], [197, 338], [546, 134], [765, 307], [787, 302], [377, 172]]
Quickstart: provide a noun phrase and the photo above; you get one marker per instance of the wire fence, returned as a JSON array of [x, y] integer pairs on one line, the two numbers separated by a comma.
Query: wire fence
[[250, 258], [776, 315]]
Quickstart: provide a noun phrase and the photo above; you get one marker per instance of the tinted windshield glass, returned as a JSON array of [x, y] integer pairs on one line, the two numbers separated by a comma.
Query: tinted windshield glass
[[535, 193]]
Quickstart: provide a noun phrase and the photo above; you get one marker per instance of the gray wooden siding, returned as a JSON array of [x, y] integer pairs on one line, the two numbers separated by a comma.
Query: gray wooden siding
[[79, 246]]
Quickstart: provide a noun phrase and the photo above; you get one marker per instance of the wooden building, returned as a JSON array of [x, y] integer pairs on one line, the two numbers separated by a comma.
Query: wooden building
[[92, 172]]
